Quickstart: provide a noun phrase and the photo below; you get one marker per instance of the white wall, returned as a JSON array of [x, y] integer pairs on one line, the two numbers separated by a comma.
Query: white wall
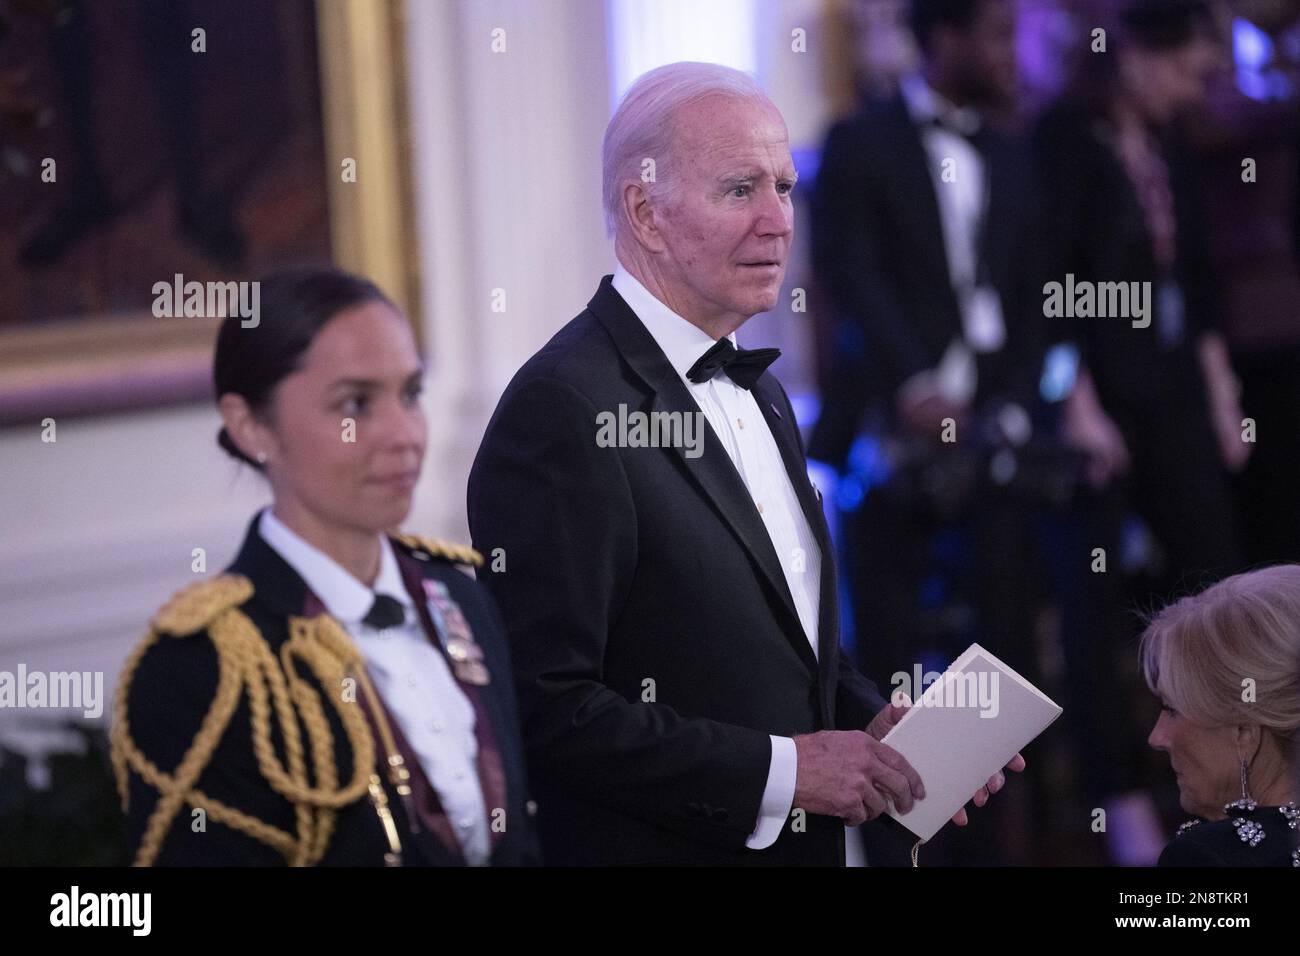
[[507, 161], [98, 529]]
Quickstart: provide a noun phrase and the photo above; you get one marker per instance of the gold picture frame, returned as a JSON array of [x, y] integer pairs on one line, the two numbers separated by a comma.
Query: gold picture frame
[[79, 367]]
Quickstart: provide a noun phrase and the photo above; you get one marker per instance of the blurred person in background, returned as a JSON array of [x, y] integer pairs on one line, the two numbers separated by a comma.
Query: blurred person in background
[[923, 245], [1231, 744], [1154, 407], [884, 48], [1248, 166]]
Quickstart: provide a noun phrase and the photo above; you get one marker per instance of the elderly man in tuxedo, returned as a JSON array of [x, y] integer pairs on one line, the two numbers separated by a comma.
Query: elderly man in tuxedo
[[671, 605]]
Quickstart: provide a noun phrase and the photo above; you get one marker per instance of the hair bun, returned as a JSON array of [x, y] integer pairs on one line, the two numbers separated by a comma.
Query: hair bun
[[228, 445]]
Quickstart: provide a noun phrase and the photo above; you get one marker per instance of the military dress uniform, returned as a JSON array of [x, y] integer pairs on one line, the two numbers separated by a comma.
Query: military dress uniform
[[284, 713]]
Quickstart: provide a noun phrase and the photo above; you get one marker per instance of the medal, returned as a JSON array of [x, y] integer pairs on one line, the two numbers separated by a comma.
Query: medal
[[457, 639]]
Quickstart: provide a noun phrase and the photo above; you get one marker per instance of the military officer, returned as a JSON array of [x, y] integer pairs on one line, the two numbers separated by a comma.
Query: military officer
[[341, 693]]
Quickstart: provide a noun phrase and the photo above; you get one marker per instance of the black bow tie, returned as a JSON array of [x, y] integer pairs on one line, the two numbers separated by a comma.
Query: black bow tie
[[386, 612], [743, 366]]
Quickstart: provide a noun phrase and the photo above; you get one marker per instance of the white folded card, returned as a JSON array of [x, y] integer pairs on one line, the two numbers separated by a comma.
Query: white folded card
[[964, 728]]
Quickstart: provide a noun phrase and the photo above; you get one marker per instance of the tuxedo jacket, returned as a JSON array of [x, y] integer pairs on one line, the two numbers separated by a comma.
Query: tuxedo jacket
[[655, 642], [176, 681], [882, 268]]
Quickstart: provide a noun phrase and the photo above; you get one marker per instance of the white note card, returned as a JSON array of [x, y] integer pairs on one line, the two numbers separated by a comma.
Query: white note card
[[964, 728]]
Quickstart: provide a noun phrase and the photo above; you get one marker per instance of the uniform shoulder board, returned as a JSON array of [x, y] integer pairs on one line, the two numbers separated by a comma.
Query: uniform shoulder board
[[434, 547], [194, 607]]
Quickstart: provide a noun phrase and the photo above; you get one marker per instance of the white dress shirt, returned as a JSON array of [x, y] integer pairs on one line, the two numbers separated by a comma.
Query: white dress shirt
[[960, 180], [735, 417], [409, 674]]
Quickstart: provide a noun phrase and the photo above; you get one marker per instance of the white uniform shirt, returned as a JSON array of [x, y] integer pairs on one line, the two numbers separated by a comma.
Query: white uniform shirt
[[409, 674]]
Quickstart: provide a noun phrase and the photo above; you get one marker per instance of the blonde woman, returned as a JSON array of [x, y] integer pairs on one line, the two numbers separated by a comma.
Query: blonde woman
[[1223, 663]]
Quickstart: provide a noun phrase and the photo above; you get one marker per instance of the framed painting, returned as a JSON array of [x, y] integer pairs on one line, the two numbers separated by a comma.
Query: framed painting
[[152, 144]]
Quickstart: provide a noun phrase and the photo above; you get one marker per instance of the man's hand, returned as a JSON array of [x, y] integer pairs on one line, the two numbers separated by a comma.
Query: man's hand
[[893, 712], [922, 407], [851, 775], [884, 721]]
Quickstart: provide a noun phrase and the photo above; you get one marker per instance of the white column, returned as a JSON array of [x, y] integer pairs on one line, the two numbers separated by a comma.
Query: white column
[[507, 171], [644, 35]]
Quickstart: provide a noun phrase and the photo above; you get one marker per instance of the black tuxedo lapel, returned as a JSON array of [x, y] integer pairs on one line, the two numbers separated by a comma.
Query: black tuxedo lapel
[[767, 393], [713, 470], [277, 585], [999, 210]]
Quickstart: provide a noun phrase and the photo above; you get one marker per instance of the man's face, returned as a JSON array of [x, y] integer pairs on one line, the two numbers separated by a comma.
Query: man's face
[[983, 56], [1164, 83], [728, 223]]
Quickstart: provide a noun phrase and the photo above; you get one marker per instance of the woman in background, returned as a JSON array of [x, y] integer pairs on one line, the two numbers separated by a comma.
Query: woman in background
[[342, 693], [1223, 663], [1155, 405]]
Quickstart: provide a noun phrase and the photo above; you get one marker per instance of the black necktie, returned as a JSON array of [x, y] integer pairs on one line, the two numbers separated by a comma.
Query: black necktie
[[386, 612], [743, 366]]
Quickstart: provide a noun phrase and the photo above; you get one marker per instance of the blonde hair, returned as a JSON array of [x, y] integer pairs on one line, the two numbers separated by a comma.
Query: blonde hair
[[1198, 652]]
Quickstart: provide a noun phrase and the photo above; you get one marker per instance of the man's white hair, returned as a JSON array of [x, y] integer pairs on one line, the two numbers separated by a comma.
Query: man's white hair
[[642, 126]]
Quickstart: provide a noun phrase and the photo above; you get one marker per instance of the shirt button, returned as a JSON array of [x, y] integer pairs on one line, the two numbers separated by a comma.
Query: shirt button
[[412, 680], [466, 823], [458, 775], [740, 423], [435, 726], [760, 506]]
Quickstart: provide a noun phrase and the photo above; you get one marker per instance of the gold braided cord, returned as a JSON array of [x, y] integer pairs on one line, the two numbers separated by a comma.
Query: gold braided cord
[[308, 703], [191, 608], [247, 665], [460, 553], [172, 788], [186, 612], [238, 820], [372, 697]]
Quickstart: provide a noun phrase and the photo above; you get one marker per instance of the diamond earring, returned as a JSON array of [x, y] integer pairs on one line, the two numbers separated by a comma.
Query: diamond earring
[[1248, 831], [1246, 801]]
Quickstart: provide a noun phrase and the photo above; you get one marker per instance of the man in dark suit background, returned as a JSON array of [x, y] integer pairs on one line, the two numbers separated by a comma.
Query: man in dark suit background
[[671, 603], [924, 239], [923, 245]]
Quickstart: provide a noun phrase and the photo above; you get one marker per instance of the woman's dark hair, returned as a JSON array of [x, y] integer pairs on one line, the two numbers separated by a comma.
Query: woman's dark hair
[[294, 305], [1165, 24], [928, 15], [1154, 25]]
